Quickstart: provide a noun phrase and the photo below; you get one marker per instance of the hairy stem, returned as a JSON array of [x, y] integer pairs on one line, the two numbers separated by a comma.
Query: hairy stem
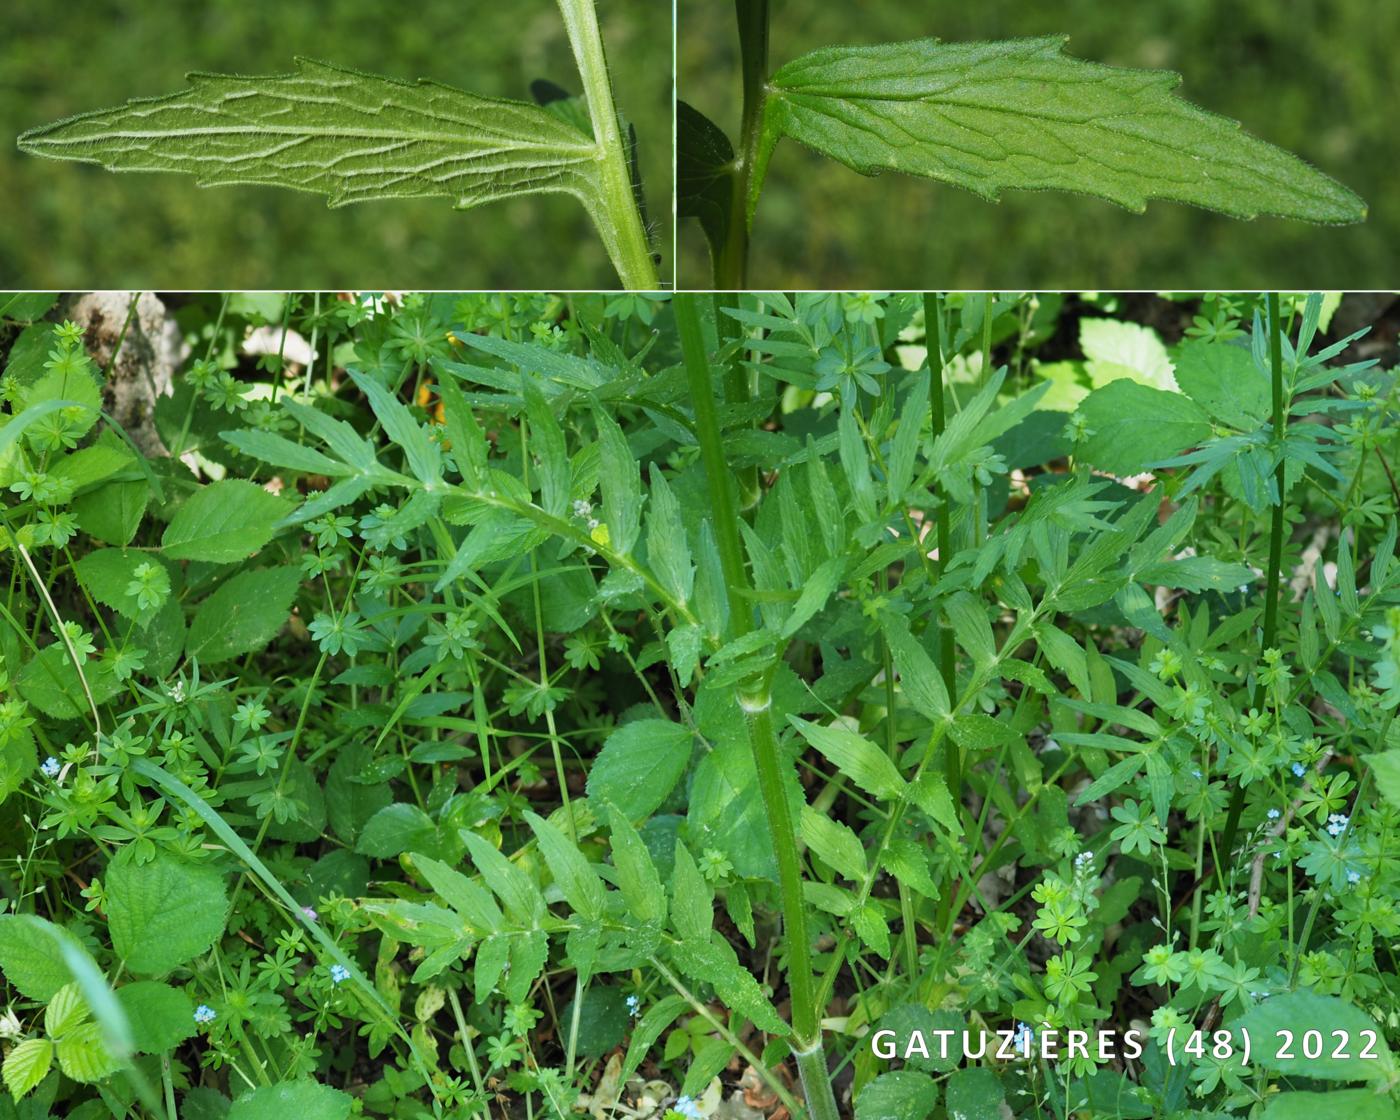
[[620, 224], [756, 700], [1276, 531], [732, 260]]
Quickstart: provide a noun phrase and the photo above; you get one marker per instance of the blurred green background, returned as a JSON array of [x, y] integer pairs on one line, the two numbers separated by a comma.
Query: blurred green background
[[1318, 77], [72, 225]]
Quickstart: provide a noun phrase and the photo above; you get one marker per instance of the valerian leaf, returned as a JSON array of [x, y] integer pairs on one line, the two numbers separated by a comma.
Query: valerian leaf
[[350, 136], [1021, 115]]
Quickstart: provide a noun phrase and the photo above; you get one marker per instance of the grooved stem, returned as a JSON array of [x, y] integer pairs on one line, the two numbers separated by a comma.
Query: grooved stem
[[933, 330], [732, 261], [755, 700], [1276, 532]]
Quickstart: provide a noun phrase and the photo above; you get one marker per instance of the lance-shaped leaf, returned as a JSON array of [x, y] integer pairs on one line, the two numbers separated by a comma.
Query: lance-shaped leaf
[[1020, 114], [352, 137]]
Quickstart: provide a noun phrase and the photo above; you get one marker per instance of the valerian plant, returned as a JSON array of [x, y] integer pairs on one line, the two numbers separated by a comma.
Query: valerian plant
[[572, 704], [987, 117], [357, 137]]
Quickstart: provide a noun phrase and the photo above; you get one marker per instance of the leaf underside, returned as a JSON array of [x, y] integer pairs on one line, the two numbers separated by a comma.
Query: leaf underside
[[1021, 115], [349, 136]]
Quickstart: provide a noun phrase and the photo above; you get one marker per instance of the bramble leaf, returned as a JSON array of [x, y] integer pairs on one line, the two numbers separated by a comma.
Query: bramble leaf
[[1020, 115]]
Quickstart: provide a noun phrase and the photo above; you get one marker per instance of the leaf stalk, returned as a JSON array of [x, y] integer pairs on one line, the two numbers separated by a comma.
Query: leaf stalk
[[732, 261]]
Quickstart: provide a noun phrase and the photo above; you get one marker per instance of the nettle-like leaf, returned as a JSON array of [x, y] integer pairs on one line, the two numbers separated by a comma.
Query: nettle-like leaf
[[1021, 115], [350, 136]]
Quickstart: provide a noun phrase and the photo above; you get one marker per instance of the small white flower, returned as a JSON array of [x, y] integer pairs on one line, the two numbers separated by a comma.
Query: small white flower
[[1299, 769], [1024, 1039], [310, 913], [634, 1006], [339, 973], [1353, 877], [204, 1014], [51, 767], [1337, 824], [1273, 814], [687, 1107]]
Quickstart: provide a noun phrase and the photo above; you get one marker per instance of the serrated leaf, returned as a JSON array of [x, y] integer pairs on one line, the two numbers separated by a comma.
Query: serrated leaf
[[620, 483], [1021, 115], [27, 1065], [692, 900], [582, 888], [160, 1016], [904, 1094], [920, 678], [82, 1056], [855, 756], [304, 1099], [29, 957], [1223, 379], [637, 877], [349, 136], [163, 912], [1296, 1012], [639, 765], [223, 522], [1132, 425], [243, 615], [836, 844], [713, 962]]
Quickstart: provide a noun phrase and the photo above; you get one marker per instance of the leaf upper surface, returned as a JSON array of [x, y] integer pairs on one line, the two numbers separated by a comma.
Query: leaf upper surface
[[350, 136], [1020, 114]]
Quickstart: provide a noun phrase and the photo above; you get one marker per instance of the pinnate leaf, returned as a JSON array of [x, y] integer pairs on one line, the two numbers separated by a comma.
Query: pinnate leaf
[[1021, 115]]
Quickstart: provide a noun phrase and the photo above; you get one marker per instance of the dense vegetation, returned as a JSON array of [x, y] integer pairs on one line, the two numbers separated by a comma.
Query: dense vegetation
[[530, 705]]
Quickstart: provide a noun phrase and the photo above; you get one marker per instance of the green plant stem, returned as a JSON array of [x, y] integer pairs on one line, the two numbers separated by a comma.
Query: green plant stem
[[1276, 531], [755, 698], [732, 261], [933, 329], [620, 224], [736, 388]]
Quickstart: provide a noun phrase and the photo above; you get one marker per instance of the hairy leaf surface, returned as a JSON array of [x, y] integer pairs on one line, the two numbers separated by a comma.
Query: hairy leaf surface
[[1021, 115], [352, 137]]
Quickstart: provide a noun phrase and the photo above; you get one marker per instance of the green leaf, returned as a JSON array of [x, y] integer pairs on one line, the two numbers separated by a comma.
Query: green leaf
[[620, 483], [160, 1016], [163, 912], [930, 793], [396, 828], [1116, 348], [692, 900], [905, 1094], [27, 1065], [423, 455], [471, 900], [713, 962], [282, 452], [836, 844], [1197, 573], [349, 136], [668, 553], [518, 894], [974, 1093], [243, 615], [704, 174], [1132, 425], [582, 888], [28, 957], [1385, 767], [223, 522], [1223, 380], [637, 877], [1298, 1012], [305, 1099], [112, 513], [106, 572], [639, 765], [923, 684], [1021, 115], [1354, 1104], [855, 756]]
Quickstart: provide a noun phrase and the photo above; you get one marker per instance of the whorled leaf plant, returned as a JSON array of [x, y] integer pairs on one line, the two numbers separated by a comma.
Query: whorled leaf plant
[[988, 117], [356, 137]]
